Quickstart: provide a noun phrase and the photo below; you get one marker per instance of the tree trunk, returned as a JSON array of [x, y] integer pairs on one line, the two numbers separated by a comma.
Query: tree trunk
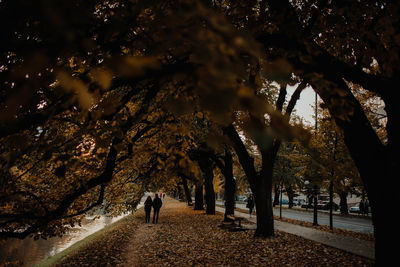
[[179, 190], [208, 173], [198, 196], [290, 193], [280, 200], [331, 205], [315, 198], [260, 183], [344, 210], [375, 162], [187, 191], [276, 195], [230, 185], [263, 200]]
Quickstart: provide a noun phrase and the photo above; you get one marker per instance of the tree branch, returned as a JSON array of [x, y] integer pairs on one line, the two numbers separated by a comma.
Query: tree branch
[[245, 159]]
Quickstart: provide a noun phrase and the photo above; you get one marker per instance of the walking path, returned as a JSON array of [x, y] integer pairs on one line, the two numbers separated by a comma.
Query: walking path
[[358, 247], [145, 234], [187, 237]]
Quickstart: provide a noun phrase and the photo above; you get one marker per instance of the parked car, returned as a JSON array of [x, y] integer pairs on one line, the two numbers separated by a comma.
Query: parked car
[[355, 209], [325, 205]]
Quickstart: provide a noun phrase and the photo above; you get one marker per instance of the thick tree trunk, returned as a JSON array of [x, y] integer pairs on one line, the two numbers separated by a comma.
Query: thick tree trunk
[[208, 173], [276, 195], [230, 189], [385, 178], [198, 196], [179, 191], [315, 216], [230, 185], [331, 205], [344, 210], [290, 193], [385, 227], [260, 183], [187, 191], [374, 162], [263, 200]]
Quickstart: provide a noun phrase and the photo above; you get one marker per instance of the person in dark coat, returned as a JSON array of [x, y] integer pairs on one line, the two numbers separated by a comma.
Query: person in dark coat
[[157, 203], [250, 204], [147, 208]]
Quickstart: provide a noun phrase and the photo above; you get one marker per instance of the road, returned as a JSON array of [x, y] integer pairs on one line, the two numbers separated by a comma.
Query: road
[[352, 223]]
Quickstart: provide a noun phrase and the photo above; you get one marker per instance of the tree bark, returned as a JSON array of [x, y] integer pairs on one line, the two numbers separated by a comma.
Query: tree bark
[[344, 210], [315, 200], [276, 195], [187, 191], [260, 184], [230, 184], [331, 204], [264, 211], [226, 168], [198, 196], [229, 195], [261, 181], [179, 191], [208, 173], [290, 193], [371, 159]]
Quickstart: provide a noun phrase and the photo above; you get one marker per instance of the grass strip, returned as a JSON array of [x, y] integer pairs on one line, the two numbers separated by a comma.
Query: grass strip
[[52, 260]]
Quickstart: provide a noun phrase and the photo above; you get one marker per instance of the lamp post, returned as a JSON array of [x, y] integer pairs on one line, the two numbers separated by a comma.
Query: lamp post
[[280, 204], [315, 197], [331, 184], [316, 111], [315, 188]]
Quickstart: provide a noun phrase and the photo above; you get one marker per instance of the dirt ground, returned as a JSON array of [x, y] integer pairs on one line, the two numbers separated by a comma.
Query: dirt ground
[[184, 237]]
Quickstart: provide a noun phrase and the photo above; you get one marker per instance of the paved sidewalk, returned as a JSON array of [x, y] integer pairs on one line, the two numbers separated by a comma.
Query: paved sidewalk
[[356, 223], [358, 247]]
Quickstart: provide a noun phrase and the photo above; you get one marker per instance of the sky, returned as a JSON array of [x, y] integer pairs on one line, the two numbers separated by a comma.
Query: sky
[[305, 105]]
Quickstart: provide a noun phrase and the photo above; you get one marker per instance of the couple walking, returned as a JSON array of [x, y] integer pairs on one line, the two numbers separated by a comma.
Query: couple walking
[[156, 203]]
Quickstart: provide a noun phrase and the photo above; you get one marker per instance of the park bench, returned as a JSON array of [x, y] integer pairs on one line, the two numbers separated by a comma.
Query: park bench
[[233, 223], [236, 219]]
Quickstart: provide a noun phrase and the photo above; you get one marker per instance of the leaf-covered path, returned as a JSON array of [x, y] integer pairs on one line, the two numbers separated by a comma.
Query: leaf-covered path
[[186, 237]]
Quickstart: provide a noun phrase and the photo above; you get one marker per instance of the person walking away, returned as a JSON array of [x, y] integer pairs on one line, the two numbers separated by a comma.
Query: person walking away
[[250, 204], [147, 208], [157, 203]]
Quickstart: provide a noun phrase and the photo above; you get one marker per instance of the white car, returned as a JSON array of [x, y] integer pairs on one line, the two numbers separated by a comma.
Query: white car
[[355, 209]]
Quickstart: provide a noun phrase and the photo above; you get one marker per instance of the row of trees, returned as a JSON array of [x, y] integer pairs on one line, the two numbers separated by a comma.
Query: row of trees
[[324, 165], [103, 100]]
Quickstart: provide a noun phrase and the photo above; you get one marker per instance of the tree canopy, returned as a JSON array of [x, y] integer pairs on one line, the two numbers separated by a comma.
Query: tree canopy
[[101, 100]]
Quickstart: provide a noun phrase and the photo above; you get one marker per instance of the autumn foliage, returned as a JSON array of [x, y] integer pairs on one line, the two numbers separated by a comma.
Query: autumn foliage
[[103, 100]]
